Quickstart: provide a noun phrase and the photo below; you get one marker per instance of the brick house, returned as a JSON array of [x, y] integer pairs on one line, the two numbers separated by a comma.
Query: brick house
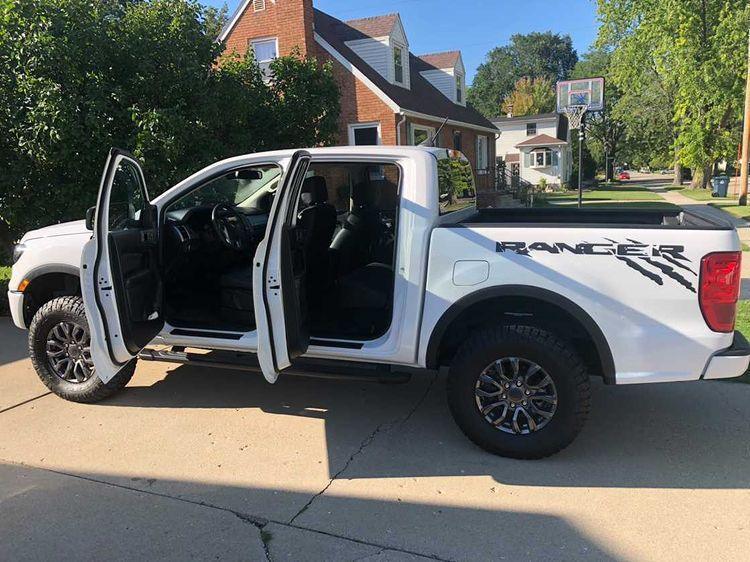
[[388, 95]]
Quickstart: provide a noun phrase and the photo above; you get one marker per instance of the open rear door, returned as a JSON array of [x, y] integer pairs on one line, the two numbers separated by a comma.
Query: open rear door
[[278, 278], [120, 277]]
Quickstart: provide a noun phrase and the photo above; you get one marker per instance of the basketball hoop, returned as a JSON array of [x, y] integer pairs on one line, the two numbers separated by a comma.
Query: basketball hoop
[[575, 115]]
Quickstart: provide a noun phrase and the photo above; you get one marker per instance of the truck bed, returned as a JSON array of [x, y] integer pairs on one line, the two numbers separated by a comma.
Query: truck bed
[[588, 216]]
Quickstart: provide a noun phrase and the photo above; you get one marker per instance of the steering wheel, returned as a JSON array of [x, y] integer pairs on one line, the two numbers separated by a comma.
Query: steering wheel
[[231, 228]]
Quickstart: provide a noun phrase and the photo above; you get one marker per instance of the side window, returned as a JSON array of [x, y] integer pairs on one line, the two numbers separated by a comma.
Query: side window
[[457, 189], [126, 199]]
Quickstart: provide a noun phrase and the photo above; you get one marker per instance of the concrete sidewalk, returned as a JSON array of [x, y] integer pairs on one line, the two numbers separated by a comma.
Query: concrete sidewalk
[[704, 209], [194, 464]]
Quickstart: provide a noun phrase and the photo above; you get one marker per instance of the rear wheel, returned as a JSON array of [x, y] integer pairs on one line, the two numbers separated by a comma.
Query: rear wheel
[[519, 391], [60, 350]]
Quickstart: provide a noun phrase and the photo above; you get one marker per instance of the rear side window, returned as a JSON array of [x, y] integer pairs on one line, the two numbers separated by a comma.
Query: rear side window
[[457, 188]]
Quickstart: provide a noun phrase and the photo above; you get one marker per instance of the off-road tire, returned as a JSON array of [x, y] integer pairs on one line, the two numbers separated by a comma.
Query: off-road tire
[[93, 389], [554, 355]]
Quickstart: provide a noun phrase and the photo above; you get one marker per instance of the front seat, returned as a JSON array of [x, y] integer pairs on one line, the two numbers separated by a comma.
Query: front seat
[[353, 244], [318, 223]]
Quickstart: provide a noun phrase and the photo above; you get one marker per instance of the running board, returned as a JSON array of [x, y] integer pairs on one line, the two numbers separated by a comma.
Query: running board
[[313, 368]]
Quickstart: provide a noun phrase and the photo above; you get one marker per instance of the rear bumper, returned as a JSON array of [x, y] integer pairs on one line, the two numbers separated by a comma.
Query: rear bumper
[[730, 363], [15, 299]]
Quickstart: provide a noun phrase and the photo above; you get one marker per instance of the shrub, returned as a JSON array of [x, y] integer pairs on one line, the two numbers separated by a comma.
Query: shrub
[[80, 76]]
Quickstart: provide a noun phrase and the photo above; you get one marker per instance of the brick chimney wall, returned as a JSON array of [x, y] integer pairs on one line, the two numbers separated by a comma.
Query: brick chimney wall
[[290, 21]]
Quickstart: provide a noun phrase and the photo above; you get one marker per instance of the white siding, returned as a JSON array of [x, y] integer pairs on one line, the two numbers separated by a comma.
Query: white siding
[[375, 52], [514, 132], [443, 80], [378, 53]]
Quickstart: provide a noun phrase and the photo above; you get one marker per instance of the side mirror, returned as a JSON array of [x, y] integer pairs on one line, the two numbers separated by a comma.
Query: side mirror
[[90, 216]]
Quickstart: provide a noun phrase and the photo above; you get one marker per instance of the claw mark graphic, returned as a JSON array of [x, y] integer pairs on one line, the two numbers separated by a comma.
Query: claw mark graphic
[[670, 272], [645, 272], [673, 261]]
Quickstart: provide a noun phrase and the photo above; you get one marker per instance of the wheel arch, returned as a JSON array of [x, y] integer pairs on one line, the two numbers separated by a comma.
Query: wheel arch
[[46, 283], [519, 301]]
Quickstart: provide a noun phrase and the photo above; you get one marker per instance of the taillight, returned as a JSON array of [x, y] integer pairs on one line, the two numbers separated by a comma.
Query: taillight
[[720, 289]]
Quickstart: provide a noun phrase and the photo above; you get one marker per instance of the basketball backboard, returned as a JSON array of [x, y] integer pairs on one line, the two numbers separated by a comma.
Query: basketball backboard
[[587, 92]]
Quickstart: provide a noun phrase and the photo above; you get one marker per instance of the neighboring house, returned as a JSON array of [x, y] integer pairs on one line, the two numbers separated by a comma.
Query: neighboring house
[[388, 95], [535, 147]]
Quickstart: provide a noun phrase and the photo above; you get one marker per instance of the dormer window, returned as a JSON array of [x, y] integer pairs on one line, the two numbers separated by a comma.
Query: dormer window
[[398, 65], [459, 88]]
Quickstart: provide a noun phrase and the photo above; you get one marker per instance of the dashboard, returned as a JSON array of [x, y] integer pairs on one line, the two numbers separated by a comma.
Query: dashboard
[[192, 230]]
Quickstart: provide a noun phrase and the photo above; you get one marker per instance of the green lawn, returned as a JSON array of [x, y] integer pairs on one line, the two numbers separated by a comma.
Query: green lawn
[[743, 325], [703, 195], [606, 195], [733, 208]]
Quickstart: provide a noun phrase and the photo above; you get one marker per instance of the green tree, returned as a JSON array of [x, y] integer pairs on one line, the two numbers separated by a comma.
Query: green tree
[[697, 51], [533, 55], [80, 76], [530, 96]]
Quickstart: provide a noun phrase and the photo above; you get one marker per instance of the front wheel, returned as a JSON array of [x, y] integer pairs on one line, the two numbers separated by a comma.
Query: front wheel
[[60, 350], [518, 391]]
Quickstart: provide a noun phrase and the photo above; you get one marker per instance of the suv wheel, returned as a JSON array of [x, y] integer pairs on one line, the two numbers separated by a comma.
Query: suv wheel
[[59, 346], [519, 391]]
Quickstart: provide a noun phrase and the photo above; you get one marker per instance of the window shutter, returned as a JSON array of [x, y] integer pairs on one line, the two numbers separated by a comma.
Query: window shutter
[[259, 5]]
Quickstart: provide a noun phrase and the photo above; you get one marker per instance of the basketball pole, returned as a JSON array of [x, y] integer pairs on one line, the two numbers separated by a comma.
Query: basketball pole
[[745, 161], [580, 162]]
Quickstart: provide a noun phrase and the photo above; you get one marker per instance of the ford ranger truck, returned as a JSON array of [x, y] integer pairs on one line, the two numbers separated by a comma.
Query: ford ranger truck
[[374, 262]]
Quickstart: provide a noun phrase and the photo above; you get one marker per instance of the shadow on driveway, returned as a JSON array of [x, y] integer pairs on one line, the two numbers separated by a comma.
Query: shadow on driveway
[[678, 435], [49, 515]]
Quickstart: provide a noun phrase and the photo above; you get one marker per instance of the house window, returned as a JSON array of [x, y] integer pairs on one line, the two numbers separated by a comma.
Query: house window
[[482, 153], [398, 65], [457, 144], [264, 51], [459, 88], [530, 129], [259, 5], [542, 158], [364, 134], [420, 134]]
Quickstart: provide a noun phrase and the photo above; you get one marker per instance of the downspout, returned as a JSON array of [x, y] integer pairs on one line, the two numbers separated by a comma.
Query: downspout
[[398, 127]]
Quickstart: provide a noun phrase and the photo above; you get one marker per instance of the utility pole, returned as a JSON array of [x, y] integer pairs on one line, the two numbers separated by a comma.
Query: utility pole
[[746, 135]]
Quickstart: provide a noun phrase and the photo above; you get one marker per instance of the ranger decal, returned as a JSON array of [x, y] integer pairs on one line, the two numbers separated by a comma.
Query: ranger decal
[[666, 259]]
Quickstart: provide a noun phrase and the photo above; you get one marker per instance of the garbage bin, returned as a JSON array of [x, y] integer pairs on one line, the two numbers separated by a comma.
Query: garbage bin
[[720, 185]]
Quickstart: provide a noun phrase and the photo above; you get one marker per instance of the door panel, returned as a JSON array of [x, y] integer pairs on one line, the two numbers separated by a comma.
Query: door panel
[[280, 301], [120, 278]]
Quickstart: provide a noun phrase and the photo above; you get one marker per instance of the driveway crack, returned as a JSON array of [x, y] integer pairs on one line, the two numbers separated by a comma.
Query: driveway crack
[[383, 427]]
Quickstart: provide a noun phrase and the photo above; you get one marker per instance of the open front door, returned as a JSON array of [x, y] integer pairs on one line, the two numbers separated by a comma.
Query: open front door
[[120, 279], [278, 278]]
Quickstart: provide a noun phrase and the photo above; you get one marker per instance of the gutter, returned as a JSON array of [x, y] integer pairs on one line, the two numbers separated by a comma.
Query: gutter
[[410, 113]]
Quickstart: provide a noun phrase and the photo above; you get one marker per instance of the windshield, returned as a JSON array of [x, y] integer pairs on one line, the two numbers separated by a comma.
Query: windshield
[[236, 188]]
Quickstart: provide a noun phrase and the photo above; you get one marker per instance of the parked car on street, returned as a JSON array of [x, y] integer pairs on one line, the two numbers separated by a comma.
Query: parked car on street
[[624, 176], [349, 262]]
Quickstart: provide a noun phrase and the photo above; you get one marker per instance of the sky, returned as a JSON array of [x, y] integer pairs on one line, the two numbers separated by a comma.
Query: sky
[[472, 26]]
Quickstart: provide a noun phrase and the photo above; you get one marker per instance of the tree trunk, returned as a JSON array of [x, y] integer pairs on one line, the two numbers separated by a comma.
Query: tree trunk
[[701, 175], [677, 179]]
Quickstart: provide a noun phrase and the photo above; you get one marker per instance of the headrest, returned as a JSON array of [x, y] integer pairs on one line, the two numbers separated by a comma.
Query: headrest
[[363, 193], [316, 185]]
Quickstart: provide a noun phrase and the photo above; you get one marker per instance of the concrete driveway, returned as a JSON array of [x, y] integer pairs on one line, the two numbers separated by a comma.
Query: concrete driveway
[[196, 464]]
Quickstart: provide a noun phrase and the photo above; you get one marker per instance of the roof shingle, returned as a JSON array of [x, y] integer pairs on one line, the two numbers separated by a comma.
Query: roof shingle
[[374, 26], [448, 59], [422, 97]]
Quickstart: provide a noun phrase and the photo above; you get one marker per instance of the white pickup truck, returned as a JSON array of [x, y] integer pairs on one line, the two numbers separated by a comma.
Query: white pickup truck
[[374, 262]]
